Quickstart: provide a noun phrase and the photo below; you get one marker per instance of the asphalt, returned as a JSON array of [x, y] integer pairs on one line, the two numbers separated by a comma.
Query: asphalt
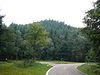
[[65, 69]]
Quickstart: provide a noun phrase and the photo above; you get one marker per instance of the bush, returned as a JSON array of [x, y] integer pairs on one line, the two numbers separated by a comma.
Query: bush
[[28, 62]]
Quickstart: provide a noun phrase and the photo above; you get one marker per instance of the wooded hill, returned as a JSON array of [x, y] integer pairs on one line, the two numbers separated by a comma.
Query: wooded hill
[[65, 42]]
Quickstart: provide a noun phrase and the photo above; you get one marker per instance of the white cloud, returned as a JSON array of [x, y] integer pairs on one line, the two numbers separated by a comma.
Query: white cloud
[[26, 11]]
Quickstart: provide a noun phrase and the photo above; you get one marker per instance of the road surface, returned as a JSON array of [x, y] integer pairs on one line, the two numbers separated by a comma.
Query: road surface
[[64, 69]]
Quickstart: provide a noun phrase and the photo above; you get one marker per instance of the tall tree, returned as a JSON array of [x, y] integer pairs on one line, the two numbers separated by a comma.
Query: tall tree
[[1, 25], [37, 37], [92, 21], [7, 42]]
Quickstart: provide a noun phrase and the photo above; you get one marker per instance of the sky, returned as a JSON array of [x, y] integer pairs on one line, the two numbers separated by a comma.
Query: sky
[[71, 12]]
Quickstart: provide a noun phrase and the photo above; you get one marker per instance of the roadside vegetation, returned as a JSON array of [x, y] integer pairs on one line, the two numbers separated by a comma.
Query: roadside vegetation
[[59, 62], [64, 62], [90, 69], [92, 30], [17, 68]]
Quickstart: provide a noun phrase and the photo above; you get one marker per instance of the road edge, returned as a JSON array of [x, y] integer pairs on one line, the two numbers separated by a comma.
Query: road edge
[[49, 70], [79, 70]]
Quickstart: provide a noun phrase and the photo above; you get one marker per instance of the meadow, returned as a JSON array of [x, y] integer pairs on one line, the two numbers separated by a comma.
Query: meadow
[[17, 68]]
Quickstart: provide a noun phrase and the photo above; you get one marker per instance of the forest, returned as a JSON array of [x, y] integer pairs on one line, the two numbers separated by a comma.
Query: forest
[[51, 40]]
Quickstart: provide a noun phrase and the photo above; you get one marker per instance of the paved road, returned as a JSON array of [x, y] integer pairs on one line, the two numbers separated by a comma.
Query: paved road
[[64, 69]]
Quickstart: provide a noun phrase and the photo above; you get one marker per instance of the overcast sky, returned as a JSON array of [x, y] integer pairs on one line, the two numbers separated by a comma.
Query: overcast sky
[[26, 11]]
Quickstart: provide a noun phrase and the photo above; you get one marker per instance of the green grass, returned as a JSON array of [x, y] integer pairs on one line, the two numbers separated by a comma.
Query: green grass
[[90, 69], [63, 62], [59, 62], [13, 68]]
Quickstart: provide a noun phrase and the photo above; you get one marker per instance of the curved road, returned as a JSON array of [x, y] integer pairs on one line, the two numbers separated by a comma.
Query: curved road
[[64, 69]]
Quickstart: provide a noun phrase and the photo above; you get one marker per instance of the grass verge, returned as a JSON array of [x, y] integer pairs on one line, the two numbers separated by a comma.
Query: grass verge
[[16, 68], [59, 62], [63, 62], [90, 69]]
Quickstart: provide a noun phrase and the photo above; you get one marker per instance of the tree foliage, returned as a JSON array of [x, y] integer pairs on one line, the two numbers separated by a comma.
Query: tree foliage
[[37, 37], [45, 40], [7, 42], [92, 21], [68, 43]]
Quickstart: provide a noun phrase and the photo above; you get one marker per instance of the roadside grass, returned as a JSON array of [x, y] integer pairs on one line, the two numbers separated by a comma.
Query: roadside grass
[[59, 62], [63, 62], [17, 68], [90, 69]]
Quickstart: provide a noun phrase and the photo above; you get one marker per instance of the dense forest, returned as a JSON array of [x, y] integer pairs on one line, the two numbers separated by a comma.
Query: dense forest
[[68, 43], [44, 40]]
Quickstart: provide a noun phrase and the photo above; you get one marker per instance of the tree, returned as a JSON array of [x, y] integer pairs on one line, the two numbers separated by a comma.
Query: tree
[[1, 25], [18, 39], [92, 29], [90, 56], [7, 44], [37, 37]]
